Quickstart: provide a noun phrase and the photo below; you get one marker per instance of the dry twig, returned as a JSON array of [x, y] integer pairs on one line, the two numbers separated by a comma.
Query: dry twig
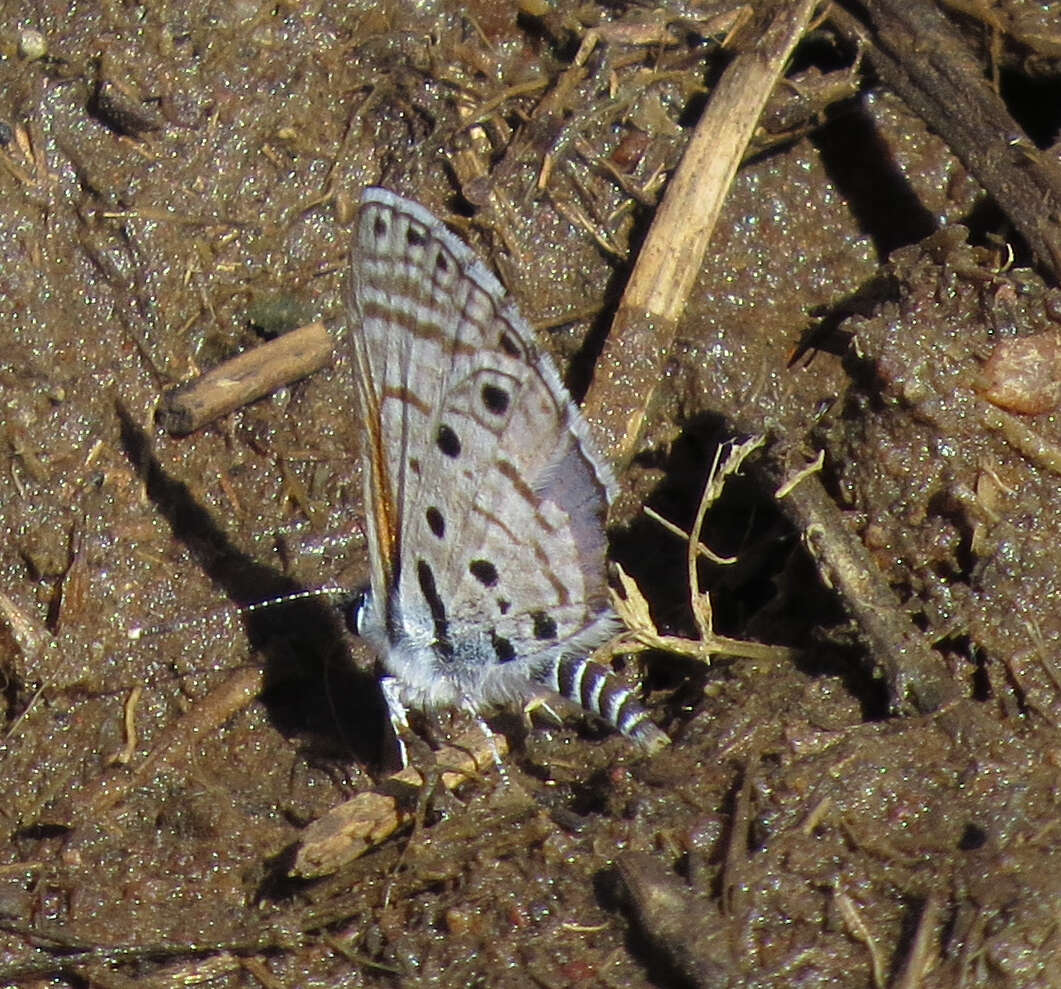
[[921, 56], [630, 368], [245, 378]]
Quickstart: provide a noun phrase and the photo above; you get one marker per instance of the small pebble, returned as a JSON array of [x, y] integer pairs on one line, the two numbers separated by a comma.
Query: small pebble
[[32, 44], [1023, 375]]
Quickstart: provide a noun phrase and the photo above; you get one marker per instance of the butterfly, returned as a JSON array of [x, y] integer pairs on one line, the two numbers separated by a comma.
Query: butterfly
[[485, 496]]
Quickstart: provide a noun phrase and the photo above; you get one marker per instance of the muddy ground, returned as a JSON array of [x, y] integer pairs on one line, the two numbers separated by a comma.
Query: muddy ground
[[178, 183]]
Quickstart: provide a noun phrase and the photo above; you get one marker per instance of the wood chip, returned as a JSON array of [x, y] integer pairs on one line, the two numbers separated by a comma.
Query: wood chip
[[245, 378]]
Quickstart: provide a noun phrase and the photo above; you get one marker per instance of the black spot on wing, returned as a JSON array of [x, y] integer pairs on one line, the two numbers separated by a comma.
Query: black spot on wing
[[495, 399], [502, 647], [503, 605], [484, 572], [436, 523], [509, 346], [448, 441], [379, 227], [414, 237], [544, 626], [426, 578]]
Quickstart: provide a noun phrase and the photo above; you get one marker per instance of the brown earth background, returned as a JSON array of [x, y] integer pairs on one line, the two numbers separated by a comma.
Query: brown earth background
[[876, 806]]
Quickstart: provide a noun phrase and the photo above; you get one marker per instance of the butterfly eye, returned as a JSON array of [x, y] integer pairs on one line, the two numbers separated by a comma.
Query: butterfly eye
[[357, 609]]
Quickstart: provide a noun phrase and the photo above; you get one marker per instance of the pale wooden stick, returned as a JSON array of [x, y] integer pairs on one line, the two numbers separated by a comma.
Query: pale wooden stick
[[245, 378], [670, 260]]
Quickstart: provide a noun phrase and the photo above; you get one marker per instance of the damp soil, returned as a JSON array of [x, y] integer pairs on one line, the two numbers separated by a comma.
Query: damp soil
[[176, 183]]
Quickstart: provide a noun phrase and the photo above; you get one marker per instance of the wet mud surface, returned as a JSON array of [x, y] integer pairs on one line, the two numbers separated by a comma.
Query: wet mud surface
[[177, 184]]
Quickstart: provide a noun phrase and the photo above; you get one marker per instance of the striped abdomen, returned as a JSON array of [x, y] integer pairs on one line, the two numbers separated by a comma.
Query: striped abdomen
[[598, 690]]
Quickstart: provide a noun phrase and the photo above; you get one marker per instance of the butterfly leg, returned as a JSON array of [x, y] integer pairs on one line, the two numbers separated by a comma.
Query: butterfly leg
[[491, 738], [539, 701], [399, 717]]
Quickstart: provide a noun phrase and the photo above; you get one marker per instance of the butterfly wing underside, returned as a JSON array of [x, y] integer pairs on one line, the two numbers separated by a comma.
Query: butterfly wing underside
[[485, 498]]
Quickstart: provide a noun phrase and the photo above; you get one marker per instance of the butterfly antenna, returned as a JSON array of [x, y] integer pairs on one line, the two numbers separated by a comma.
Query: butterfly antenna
[[137, 632]]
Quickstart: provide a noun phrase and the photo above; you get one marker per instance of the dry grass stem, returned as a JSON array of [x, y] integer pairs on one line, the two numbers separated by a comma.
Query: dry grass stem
[[1025, 440], [858, 929], [640, 631]]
